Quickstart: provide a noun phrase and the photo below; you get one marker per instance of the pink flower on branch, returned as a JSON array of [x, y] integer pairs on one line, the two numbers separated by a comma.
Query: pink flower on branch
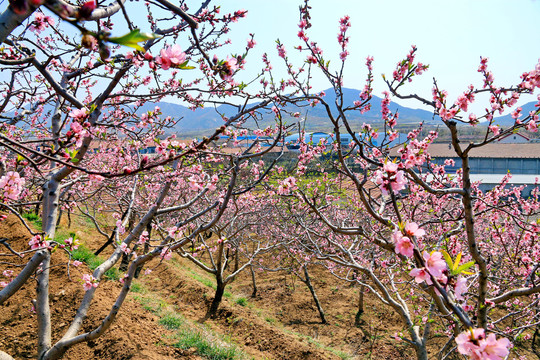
[[37, 242], [474, 343], [390, 178], [226, 68], [172, 56], [166, 254], [12, 185], [404, 245], [41, 22], [251, 43], [494, 129], [420, 275], [435, 263], [281, 51], [89, 282], [412, 229], [79, 114], [461, 288]]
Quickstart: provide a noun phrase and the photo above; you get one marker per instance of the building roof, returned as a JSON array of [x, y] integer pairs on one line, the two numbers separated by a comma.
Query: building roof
[[498, 150], [512, 134], [497, 178]]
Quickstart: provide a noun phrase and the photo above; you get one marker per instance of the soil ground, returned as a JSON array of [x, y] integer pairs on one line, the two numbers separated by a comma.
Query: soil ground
[[282, 322]]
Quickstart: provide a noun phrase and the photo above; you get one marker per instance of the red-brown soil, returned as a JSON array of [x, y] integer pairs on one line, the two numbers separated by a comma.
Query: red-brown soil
[[281, 323]]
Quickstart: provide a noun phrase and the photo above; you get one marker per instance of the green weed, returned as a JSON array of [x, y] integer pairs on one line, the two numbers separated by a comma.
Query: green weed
[[242, 301], [172, 321], [206, 345]]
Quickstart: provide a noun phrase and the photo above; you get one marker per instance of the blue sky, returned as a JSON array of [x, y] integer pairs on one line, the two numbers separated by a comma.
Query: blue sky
[[450, 36]]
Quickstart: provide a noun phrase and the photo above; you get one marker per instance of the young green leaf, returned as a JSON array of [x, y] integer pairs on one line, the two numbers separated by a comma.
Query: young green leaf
[[448, 259], [132, 39], [456, 263], [185, 66], [463, 268]]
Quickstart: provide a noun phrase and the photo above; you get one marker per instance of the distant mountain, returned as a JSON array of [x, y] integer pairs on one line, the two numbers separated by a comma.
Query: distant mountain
[[406, 115], [192, 122], [508, 120]]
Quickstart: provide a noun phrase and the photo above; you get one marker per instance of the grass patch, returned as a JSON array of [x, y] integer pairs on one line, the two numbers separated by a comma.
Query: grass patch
[[242, 301], [152, 304], [172, 321], [207, 345], [188, 334], [34, 219], [82, 253], [136, 287], [206, 281], [202, 278], [87, 256], [341, 354]]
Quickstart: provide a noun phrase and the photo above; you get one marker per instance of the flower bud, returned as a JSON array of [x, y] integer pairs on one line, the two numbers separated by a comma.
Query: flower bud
[[104, 52], [86, 9], [36, 3], [19, 7], [144, 160], [88, 41]]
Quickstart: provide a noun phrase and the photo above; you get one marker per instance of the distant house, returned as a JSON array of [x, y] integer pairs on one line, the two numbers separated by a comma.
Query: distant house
[[292, 141], [491, 162], [514, 139]]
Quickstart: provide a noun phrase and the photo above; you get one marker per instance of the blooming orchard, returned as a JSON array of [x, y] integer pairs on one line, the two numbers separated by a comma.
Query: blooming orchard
[[425, 225], [428, 244]]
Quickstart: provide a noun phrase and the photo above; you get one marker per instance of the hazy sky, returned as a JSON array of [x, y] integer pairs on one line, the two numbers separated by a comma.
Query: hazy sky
[[450, 36]]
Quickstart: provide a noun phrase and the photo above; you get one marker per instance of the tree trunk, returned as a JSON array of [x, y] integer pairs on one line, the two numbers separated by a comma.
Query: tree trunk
[[60, 213], [536, 342], [125, 262], [38, 205], [107, 243], [111, 238], [4, 356], [421, 352], [220, 289], [146, 248], [358, 317], [314, 295], [254, 293]]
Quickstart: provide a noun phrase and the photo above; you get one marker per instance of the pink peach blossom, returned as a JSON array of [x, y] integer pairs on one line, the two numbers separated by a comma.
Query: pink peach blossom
[[404, 246], [421, 275], [461, 287], [172, 56], [89, 282], [412, 229], [434, 263]]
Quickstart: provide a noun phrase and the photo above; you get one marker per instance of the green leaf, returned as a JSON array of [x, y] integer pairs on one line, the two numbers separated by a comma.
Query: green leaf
[[458, 260], [464, 267], [132, 39], [448, 259], [185, 66], [72, 155]]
